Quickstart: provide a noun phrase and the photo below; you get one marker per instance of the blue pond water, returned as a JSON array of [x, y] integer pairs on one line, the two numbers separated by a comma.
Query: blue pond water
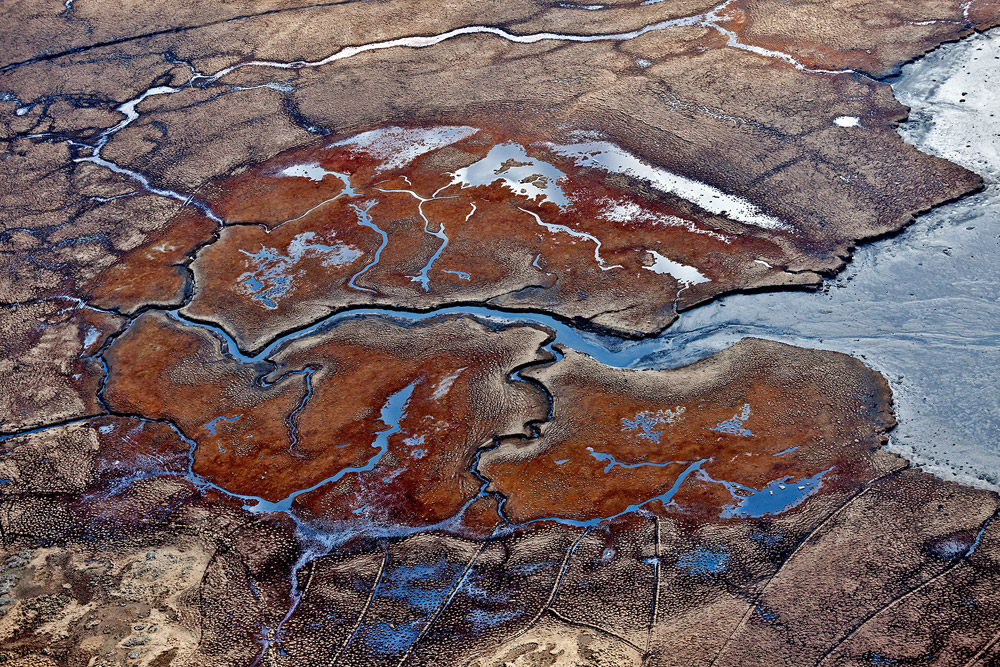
[[773, 499], [365, 220], [734, 425], [612, 461], [392, 413], [704, 561], [424, 588], [644, 422], [664, 498], [210, 426]]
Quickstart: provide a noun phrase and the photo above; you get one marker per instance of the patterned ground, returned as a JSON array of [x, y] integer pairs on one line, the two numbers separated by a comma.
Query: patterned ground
[[289, 301]]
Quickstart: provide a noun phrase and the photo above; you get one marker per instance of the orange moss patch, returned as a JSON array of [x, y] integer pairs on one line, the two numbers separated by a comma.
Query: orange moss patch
[[319, 413], [620, 438]]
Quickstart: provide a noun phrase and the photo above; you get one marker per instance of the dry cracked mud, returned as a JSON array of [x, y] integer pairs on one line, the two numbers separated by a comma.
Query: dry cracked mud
[[297, 302]]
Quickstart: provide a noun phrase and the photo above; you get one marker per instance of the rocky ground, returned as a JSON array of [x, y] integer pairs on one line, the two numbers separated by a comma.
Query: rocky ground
[[281, 301]]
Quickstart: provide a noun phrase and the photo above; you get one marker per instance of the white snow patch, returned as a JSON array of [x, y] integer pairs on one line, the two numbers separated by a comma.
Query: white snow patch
[[91, 338], [397, 147], [682, 273], [311, 170], [846, 121], [616, 210], [526, 176], [614, 159], [445, 384]]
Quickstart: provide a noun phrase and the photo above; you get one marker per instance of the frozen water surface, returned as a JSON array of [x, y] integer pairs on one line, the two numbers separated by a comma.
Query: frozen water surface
[[272, 274], [922, 307], [311, 170]]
